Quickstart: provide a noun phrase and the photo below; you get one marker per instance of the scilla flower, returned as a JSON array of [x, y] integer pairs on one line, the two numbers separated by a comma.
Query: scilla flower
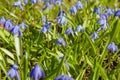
[[96, 10], [117, 13], [34, 1], [63, 77], [13, 72], [2, 20], [112, 47], [61, 20], [60, 42], [73, 10], [69, 31], [79, 5], [59, 2], [94, 36], [18, 4], [23, 25], [79, 28], [46, 28], [37, 73], [8, 24], [16, 30], [25, 1], [110, 11], [61, 13]]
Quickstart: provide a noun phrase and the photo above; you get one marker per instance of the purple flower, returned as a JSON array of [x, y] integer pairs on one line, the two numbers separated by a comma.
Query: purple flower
[[79, 28], [59, 2], [73, 10], [63, 77], [52, 1], [2, 20], [60, 42], [79, 5], [102, 22], [117, 13], [18, 4], [62, 20], [8, 24], [23, 25], [34, 1], [61, 13], [112, 47], [97, 10], [25, 1], [13, 72], [16, 30], [46, 28], [44, 19], [94, 36], [110, 11], [69, 31], [37, 72]]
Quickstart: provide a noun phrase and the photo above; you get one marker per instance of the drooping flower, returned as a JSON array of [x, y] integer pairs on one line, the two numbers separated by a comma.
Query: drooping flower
[[25, 1], [73, 10], [23, 25], [34, 1], [52, 1], [117, 13], [110, 11], [46, 28], [69, 31], [37, 72], [13, 73], [97, 10], [16, 30], [18, 4], [79, 28], [60, 42], [59, 2], [102, 22], [61, 13], [61, 20], [2, 20], [112, 47], [63, 77], [44, 19], [79, 5], [94, 36], [8, 24]]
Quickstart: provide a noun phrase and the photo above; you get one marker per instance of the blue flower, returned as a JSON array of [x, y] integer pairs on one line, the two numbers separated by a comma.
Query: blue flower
[[103, 22], [18, 4], [60, 42], [37, 72], [69, 31], [25, 1], [110, 11], [62, 20], [61, 13], [63, 77], [46, 28], [79, 28], [94, 36], [73, 10], [2, 20], [97, 10], [16, 30], [13, 72], [59, 2], [117, 13], [44, 19], [112, 47], [79, 5], [8, 24], [52, 1], [34, 1], [23, 25]]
